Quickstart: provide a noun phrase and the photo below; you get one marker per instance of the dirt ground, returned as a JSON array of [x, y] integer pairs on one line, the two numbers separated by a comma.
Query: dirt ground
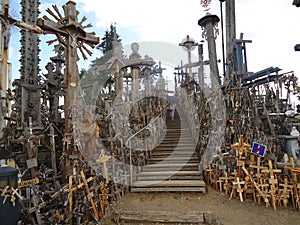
[[227, 211]]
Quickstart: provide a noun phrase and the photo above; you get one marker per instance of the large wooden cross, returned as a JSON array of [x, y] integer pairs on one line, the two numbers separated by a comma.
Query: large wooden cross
[[70, 32]]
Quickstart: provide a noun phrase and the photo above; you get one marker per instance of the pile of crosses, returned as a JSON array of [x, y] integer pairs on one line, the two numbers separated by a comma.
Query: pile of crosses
[[250, 177]]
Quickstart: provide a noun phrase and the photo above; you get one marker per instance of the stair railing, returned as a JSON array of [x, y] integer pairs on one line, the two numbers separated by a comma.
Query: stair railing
[[156, 127]]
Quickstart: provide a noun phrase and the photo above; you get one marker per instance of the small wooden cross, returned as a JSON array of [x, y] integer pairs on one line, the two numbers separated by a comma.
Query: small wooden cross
[[36, 208], [15, 192], [90, 195], [239, 189], [72, 189], [258, 167], [284, 193], [264, 187], [256, 185], [226, 178], [272, 181], [103, 159], [209, 174], [241, 147]]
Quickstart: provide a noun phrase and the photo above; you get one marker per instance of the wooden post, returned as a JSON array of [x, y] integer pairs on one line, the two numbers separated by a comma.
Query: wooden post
[[230, 35]]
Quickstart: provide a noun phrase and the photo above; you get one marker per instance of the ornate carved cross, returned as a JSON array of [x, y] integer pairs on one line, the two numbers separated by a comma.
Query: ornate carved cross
[[70, 32]]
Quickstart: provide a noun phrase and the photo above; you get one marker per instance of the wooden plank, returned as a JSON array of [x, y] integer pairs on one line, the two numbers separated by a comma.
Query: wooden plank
[[161, 216]]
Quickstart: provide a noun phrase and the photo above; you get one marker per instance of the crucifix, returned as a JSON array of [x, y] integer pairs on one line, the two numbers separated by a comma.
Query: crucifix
[[71, 33]]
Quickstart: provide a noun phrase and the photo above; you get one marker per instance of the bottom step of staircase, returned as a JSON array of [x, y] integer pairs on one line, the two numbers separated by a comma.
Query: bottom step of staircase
[[169, 186]]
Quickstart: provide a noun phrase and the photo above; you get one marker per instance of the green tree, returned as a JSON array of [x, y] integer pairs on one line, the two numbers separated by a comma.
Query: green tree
[[107, 42]]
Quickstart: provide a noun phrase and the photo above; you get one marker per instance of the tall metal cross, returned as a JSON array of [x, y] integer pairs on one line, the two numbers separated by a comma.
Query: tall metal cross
[[70, 32]]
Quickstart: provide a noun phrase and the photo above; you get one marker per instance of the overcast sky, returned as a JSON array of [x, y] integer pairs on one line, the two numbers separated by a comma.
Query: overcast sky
[[272, 25]]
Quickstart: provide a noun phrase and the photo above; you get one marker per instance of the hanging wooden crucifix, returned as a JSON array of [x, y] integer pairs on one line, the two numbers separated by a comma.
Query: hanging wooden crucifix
[[71, 33]]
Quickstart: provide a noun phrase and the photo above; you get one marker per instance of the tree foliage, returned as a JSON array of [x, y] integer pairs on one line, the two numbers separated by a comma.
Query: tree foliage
[[106, 43]]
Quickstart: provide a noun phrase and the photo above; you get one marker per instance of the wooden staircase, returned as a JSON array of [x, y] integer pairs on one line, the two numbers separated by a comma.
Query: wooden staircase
[[173, 166]]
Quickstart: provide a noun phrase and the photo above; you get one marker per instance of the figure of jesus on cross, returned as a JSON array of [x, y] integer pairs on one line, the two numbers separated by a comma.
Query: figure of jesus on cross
[[70, 32]]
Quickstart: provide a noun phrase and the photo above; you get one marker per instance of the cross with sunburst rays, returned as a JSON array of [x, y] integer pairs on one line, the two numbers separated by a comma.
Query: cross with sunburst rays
[[71, 33]]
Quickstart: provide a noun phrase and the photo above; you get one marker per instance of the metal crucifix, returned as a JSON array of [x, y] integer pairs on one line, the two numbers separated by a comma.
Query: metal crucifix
[[70, 32]]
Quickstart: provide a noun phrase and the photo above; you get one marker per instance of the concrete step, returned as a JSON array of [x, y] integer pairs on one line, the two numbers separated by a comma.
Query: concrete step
[[169, 189], [169, 185], [165, 153], [175, 159], [170, 175], [171, 167]]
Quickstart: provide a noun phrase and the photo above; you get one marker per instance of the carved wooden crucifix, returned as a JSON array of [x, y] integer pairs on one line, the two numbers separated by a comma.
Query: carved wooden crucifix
[[70, 32]]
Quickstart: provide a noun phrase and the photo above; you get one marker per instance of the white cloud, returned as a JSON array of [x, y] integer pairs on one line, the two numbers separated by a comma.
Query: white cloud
[[154, 20], [271, 25]]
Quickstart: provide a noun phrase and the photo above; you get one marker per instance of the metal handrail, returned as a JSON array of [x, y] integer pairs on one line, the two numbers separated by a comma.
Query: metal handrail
[[134, 135], [144, 128]]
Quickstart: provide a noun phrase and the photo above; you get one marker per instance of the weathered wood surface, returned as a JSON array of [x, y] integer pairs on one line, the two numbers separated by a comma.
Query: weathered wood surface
[[159, 216]]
